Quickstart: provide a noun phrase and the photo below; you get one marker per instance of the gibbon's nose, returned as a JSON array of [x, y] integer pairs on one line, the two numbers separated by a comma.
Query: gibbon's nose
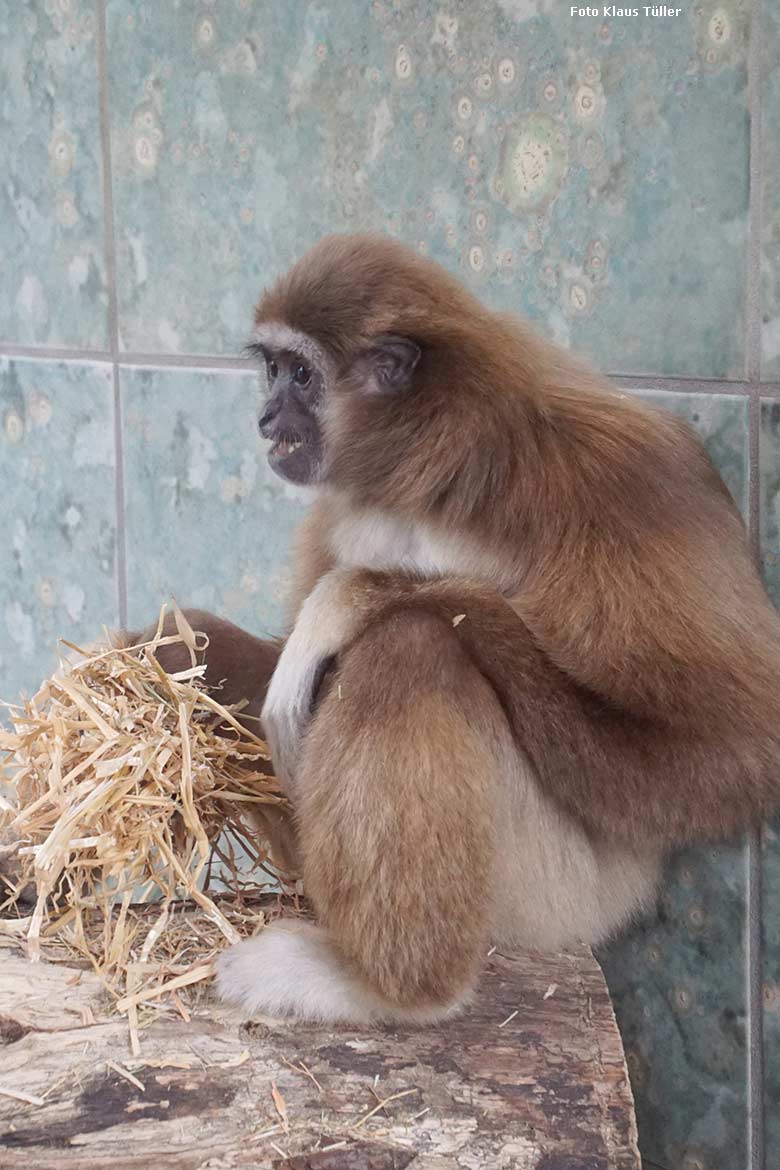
[[266, 418]]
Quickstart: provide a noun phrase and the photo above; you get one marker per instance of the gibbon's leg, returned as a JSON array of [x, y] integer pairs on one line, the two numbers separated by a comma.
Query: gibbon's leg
[[397, 797], [423, 835], [557, 884]]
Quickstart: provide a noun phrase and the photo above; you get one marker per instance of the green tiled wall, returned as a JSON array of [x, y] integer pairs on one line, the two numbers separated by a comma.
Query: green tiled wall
[[608, 176]]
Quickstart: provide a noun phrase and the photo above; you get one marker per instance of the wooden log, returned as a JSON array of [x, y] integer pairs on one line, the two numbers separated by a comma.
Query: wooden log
[[531, 1076]]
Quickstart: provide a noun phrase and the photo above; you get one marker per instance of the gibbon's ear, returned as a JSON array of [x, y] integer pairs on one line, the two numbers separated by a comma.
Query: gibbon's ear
[[388, 366]]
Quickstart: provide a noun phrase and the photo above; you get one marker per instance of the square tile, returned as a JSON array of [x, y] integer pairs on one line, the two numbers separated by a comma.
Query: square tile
[[53, 285], [206, 519], [677, 983], [592, 173], [678, 978], [770, 921], [770, 212], [769, 486], [769, 479], [57, 514]]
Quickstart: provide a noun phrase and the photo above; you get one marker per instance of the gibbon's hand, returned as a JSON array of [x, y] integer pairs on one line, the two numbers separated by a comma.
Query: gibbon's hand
[[326, 623]]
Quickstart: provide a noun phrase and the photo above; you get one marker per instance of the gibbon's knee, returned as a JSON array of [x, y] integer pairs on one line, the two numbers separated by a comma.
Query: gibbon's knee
[[396, 810]]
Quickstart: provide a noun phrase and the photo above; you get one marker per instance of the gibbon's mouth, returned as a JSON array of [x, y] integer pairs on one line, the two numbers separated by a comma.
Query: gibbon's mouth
[[295, 457], [285, 446]]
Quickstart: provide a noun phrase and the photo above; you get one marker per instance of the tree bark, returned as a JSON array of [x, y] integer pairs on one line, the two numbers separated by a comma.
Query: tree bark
[[532, 1076]]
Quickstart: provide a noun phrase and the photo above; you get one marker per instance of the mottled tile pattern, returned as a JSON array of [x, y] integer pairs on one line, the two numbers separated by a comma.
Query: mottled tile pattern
[[677, 981], [206, 519], [678, 977], [769, 478], [590, 172], [770, 166], [770, 917], [52, 278], [769, 463], [57, 514]]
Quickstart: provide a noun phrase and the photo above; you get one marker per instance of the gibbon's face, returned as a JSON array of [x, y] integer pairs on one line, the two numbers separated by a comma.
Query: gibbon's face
[[290, 420], [297, 389]]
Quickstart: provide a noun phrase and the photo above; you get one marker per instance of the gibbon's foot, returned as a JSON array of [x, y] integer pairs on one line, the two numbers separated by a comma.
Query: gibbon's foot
[[291, 970]]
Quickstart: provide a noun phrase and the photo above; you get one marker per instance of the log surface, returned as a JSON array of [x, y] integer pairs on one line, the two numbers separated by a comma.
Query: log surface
[[531, 1077]]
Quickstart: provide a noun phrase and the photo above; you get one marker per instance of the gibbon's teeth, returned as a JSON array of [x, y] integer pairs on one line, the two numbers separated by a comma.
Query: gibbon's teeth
[[285, 448]]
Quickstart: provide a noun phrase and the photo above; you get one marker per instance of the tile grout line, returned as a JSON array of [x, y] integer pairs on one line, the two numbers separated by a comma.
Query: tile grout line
[[54, 353], [681, 385], [756, 1120], [194, 361], [112, 311], [214, 363]]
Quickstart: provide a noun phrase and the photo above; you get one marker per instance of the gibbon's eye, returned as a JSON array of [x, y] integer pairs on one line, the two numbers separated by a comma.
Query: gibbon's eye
[[301, 376], [272, 369]]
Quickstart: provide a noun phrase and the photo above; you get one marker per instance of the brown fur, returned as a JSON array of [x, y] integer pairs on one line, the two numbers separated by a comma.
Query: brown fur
[[396, 811], [637, 656], [238, 665]]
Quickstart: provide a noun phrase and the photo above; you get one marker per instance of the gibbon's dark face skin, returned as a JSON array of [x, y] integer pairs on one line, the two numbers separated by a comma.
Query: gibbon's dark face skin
[[290, 419], [297, 388]]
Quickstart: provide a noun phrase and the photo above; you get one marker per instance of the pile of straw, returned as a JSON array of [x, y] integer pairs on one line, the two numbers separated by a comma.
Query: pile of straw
[[125, 785]]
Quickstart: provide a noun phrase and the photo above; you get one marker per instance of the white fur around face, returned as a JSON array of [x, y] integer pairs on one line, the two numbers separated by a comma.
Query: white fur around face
[[289, 969], [278, 336]]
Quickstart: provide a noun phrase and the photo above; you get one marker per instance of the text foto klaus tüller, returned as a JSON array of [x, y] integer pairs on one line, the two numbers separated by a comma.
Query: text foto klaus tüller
[[652, 10]]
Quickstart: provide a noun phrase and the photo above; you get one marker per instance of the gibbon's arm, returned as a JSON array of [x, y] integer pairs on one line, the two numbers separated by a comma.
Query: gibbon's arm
[[649, 779]]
